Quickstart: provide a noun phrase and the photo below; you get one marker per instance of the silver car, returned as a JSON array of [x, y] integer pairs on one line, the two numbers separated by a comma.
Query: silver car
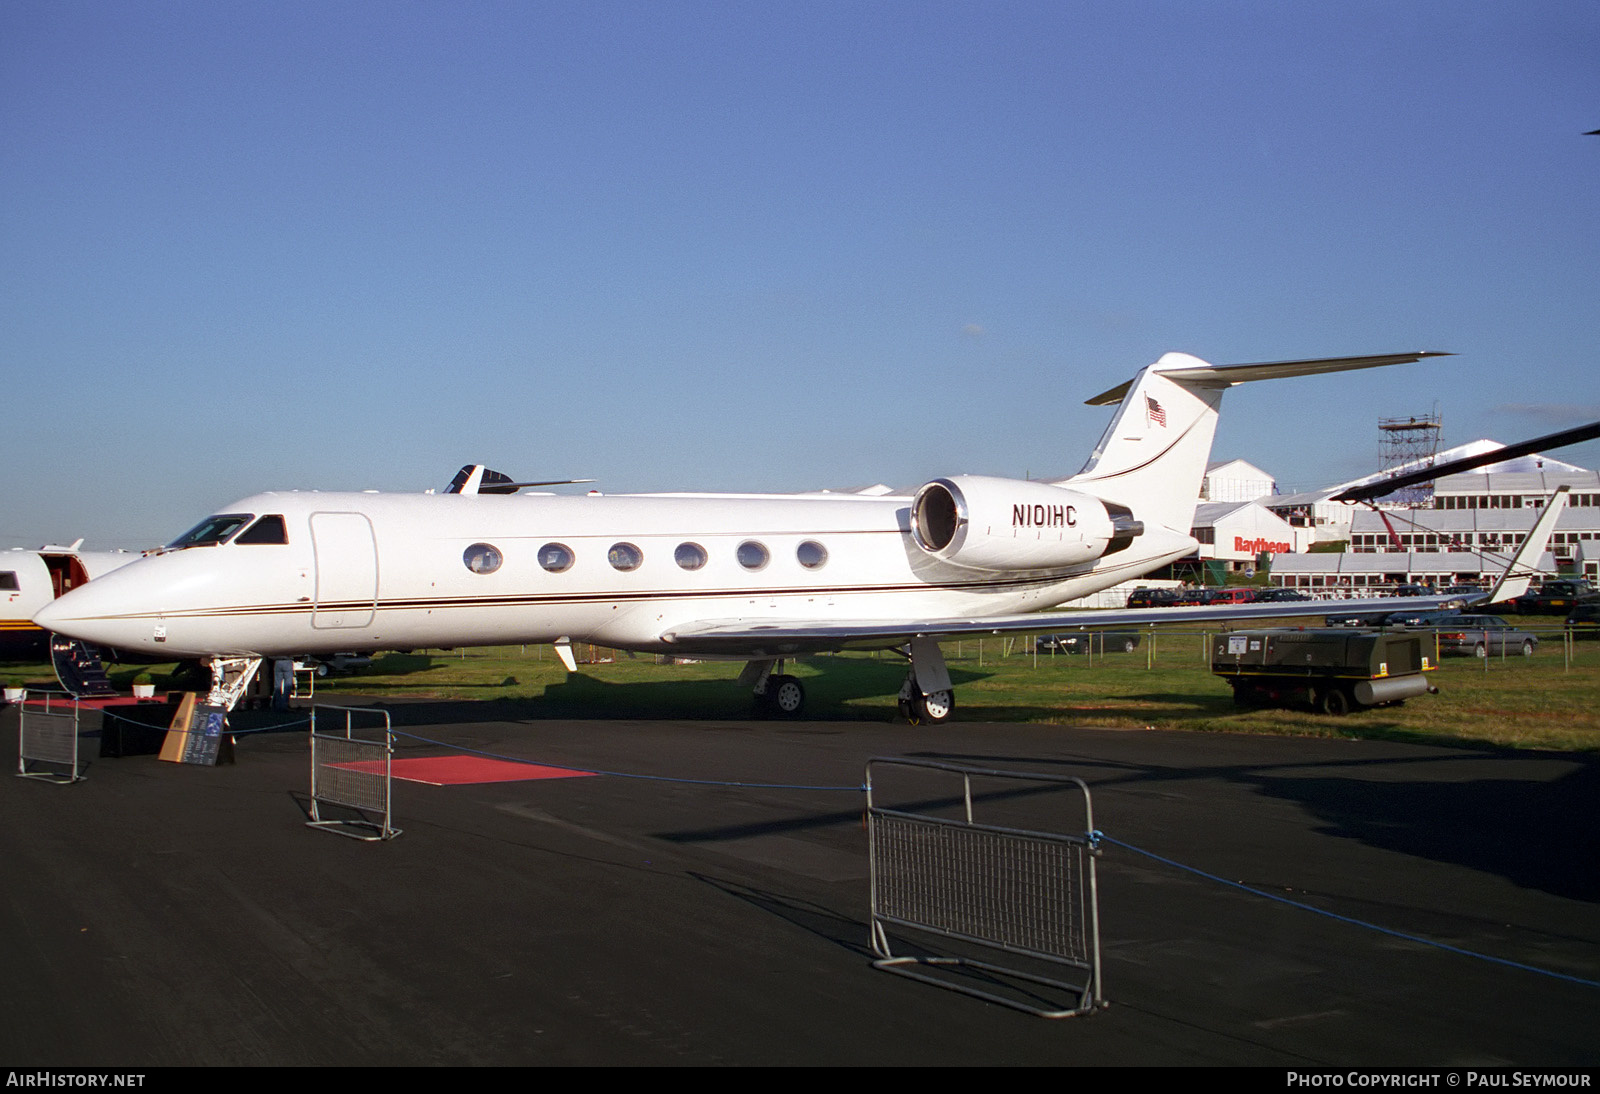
[[1482, 635]]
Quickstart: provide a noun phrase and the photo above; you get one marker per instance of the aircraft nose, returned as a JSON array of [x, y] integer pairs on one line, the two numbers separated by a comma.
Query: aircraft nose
[[95, 613]]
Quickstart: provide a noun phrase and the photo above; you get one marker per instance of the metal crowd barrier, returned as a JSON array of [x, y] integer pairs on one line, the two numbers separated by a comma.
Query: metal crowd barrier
[[350, 770], [47, 737], [982, 890]]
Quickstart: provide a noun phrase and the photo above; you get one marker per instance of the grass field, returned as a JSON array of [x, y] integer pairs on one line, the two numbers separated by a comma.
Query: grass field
[[1544, 702]]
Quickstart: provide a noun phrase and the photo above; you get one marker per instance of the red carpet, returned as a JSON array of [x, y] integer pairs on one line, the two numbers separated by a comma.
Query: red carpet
[[61, 702], [463, 770]]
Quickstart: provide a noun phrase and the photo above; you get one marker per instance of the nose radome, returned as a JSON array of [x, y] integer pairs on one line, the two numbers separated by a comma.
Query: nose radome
[[89, 613]]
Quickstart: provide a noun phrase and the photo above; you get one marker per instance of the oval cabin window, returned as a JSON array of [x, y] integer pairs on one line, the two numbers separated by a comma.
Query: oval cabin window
[[811, 554], [690, 556], [556, 557], [482, 558], [752, 555], [625, 556]]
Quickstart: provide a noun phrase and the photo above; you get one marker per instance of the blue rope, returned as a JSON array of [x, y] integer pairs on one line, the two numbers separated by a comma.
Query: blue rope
[[626, 774], [231, 730], [1347, 919]]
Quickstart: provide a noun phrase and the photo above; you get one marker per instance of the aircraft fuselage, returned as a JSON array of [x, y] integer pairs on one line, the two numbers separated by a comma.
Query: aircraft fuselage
[[372, 571]]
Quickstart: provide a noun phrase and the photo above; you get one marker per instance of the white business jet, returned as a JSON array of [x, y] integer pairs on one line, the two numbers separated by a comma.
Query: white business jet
[[753, 577], [31, 579]]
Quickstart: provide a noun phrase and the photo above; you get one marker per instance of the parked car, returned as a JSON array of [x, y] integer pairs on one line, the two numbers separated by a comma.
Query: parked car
[[1354, 619], [1553, 597], [1482, 635], [1584, 620], [1268, 595], [1433, 617], [1084, 641], [341, 663], [1236, 594], [1152, 598]]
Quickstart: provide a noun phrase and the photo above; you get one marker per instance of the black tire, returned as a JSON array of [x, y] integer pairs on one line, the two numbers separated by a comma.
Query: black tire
[[787, 695], [936, 708], [1335, 702]]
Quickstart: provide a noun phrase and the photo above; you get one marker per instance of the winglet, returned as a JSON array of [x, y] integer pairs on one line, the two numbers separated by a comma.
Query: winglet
[[1519, 572]]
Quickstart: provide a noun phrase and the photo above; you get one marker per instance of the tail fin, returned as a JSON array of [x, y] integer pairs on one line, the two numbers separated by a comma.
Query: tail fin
[[1153, 455]]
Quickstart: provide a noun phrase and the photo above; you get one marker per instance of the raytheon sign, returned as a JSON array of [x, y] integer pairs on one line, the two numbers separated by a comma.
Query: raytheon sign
[[1256, 546]]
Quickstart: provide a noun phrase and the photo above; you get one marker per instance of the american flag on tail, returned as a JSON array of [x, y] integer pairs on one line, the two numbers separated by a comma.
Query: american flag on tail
[[1153, 412]]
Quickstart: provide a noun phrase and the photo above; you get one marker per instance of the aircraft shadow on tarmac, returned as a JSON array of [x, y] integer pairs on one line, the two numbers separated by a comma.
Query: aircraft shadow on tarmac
[[1541, 835], [844, 689]]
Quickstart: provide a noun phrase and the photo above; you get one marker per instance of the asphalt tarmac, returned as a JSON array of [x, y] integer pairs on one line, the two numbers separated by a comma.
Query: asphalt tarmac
[[162, 914]]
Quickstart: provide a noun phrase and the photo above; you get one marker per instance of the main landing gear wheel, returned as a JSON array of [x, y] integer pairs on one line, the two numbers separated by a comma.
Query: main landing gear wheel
[[929, 710], [785, 696]]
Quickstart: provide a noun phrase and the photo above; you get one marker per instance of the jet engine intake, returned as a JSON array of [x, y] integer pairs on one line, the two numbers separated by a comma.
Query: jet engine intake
[[1009, 524]]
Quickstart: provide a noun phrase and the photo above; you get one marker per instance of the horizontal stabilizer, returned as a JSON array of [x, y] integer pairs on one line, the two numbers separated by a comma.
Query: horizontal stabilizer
[[1228, 375]]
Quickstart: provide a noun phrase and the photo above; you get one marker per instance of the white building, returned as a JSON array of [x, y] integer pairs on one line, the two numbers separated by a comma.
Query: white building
[[1235, 480], [1240, 531], [1478, 519], [1360, 572]]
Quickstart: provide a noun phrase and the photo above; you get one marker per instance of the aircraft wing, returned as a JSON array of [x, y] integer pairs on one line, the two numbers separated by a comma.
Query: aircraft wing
[[783, 638]]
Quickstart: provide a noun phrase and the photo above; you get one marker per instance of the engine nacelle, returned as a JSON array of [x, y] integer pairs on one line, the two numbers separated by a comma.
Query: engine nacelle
[[1008, 524]]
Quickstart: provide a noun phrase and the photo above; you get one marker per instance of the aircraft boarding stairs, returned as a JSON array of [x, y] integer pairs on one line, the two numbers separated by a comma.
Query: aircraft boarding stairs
[[79, 668]]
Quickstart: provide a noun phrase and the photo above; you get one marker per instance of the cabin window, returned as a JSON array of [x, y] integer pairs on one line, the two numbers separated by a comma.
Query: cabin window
[[269, 529], [812, 555], [482, 558], [690, 556], [213, 530], [752, 555], [556, 557], [8, 581], [625, 556]]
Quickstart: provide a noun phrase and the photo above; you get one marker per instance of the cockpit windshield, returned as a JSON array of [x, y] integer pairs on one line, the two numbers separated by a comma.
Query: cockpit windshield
[[212, 531]]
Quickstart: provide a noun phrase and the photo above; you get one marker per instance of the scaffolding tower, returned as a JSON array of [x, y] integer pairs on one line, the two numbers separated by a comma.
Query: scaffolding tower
[[1409, 444]]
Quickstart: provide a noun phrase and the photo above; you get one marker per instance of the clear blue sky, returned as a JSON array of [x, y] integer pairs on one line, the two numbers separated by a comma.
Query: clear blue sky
[[765, 246]]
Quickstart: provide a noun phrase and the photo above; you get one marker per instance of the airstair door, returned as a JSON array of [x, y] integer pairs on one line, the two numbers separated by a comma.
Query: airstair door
[[347, 570]]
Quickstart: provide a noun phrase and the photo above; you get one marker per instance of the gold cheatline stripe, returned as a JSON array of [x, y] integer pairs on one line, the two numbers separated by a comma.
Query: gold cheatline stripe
[[557, 599]]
